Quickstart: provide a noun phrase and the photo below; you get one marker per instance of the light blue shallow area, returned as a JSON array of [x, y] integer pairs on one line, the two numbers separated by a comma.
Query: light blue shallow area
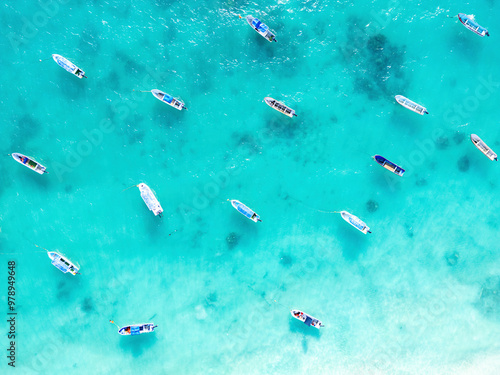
[[420, 295]]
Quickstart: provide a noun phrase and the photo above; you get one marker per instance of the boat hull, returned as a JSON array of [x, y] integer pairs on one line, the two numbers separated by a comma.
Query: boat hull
[[411, 105], [355, 221], [261, 28], [483, 147], [280, 107], [168, 99], [472, 25], [137, 329], [150, 199], [389, 165], [245, 211], [29, 163], [68, 66], [62, 263], [306, 318]]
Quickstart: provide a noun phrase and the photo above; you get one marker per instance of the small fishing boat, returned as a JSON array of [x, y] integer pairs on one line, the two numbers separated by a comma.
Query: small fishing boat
[[355, 221], [150, 199], [469, 22], [170, 100], [137, 329], [389, 165], [62, 263], [483, 147], [245, 210], [29, 162], [68, 66], [280, 107], [307, 319], [261, 28], [411, 105]]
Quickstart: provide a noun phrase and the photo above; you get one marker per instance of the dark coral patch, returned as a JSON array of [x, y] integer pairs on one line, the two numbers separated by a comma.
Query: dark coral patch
[[211, 298], [458, 138], [442, 143], [232, 240], [286, 260], [421, 182], [381, 60], [87, 305], [463, 164], [452, 259], [371, 205]]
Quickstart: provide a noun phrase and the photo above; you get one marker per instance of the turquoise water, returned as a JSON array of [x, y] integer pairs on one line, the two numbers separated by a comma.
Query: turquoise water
[[418, 295]]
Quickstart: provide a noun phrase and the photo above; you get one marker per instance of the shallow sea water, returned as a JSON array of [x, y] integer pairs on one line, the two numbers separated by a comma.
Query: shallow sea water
[[418, 295]]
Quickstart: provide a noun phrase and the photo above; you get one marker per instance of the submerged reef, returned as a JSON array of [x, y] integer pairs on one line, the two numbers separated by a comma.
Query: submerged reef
[[463, 163], [286, 260], [374, 61], [489, 298], [232, 240], [371, 205]]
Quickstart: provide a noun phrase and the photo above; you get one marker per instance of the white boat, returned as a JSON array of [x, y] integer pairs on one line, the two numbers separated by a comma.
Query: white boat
[[307, 319], [355, 221], [62, 263], [150, 199], [166, 98], [483, 147], [29, 162], [411, 105], [280, 107], [244, 210], [137, 329], [261, 28], [469, 22], [68, 66]]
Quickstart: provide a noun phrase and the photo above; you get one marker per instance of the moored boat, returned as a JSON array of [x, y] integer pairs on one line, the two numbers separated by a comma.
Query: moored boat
[[411, 105], [280, 107], [469, 22], [483, 147], [307, 319], [150, 199], [68, 66], [62, 263], [355, 221], [389, 165], [29, 162], [169, 99], [261, 28], [244, 210], [137, 329]]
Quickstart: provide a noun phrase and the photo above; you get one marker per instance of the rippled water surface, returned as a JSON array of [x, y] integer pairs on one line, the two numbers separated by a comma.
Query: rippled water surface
[[420, 295]]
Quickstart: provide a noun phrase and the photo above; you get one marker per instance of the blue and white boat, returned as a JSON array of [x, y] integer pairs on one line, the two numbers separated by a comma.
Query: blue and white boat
[[170, 100], [411, 105], [355, 221], [469, 22], [137, 329], [244, 210], [307, 319], [389, 165], [29, 162], [68, 66], [261, 28], [62, 263], [483, 147], [149, 198], [280, 107]]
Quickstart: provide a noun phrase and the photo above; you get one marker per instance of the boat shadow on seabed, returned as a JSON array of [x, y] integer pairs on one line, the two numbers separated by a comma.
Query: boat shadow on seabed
[[138, 344], [353, 243], [300, 328]]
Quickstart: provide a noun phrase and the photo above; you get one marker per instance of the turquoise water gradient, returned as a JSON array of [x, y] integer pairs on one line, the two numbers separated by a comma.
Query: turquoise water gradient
[[420, 295]]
